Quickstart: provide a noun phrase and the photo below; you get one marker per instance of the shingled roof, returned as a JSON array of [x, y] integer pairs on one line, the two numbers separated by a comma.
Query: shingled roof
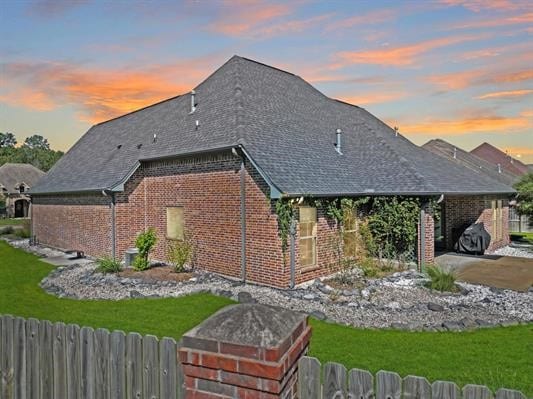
[[14, 174], [469, 160], [496, 156], [285, 126]]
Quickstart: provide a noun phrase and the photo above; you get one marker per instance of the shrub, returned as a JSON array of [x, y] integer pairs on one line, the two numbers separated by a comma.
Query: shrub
[[369, 267], [441, 280], [108, 265], [24, 231], [6, 230], [180, 254], [144, 243]]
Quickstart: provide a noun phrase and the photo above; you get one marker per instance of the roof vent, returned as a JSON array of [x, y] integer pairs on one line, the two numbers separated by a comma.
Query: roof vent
[[139, 146], [155, 138], [454, 153], [396, 130], [499, 168], [193, 101], [338, 141], [119, 146], [196, 124]]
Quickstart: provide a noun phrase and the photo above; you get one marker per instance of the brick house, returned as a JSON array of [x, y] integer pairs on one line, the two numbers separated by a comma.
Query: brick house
[[213, 163], [16, 179]]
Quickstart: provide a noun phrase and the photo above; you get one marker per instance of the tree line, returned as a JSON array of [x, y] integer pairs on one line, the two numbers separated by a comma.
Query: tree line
[[35, 150]]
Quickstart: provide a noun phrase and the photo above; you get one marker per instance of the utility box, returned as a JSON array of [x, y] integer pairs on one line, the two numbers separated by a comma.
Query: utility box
[[130, 255]]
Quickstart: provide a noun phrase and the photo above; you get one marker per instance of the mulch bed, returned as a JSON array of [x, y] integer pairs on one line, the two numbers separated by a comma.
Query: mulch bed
[[158, 273]]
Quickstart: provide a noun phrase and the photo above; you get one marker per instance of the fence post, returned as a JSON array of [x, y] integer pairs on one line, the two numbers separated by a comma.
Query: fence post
[[247, 350]]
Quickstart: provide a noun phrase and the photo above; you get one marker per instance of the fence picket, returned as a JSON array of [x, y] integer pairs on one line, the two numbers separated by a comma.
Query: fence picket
[[388, 385], [134, 376], [445, 390], [6, 357], [309, 385], [87, 363], [509, 394], [416, 388], [117, 366], [101, 363], [150, 365], [72, 339], [32, 359], [334, 381], [19, 358], [167, 368], [59, 360], [360, 384], [476, 392]]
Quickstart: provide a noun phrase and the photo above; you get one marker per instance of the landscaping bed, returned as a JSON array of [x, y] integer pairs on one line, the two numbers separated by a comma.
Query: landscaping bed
[[494, 357], [399, 300], [156, 273]]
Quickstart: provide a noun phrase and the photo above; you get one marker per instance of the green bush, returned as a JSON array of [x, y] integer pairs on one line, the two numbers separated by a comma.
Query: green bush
[[24, 232], [7, 230], [108, 265], [144, 243], [441, 280], [369, 267], [180, 254]]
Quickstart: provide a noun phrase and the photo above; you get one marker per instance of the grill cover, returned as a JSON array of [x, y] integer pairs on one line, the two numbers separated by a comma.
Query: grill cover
[[473, 240]]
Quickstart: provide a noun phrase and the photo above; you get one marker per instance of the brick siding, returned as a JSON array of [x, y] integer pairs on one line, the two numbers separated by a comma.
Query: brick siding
[[73, 222], [460, 211]]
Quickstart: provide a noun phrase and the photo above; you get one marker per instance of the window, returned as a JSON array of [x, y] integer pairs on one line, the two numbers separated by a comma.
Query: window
[[175, 223], [308, 227], [349, 233], [21, 188]]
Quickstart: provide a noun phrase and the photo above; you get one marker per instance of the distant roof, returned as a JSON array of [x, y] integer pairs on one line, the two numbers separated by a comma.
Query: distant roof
[[13, 174], [286, 127], [496, 156], [469, 160]]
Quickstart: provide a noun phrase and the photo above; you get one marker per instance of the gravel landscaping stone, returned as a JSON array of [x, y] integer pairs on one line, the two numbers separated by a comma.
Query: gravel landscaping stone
[[398, 301], [510, 250]]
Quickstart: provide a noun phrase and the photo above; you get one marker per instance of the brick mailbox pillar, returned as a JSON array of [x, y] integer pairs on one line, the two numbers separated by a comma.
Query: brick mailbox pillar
[[245, 351]]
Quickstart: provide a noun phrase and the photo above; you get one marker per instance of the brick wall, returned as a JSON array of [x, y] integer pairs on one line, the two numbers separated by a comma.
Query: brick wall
[[462, 210], [73, 222]]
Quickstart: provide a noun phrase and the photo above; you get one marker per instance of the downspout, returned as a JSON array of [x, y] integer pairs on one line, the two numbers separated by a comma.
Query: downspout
[[243, 219], [292, 233], [113, 227]]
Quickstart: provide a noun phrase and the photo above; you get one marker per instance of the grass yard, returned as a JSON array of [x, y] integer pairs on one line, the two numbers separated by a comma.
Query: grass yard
[[11, 222], [526, 238], [495, 357]]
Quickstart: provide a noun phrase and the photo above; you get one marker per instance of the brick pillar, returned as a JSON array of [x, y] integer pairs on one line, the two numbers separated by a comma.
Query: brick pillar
[[245, 351], [429, 240]]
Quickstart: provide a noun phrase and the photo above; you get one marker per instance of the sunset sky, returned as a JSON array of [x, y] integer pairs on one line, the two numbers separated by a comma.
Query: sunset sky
[[454, 69]]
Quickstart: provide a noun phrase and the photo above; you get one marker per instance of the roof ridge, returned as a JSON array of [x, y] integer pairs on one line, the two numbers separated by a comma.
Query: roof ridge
[[265, 65]]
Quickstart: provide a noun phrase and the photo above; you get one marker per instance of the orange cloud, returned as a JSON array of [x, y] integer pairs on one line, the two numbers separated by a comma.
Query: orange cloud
[[480, 5], [518, 151], [463, 79], [369, 18], [241, 17], [521, 19], [468, 125], [505, 94], [399, 56], [291, 26], [99, 93], [372, 98]]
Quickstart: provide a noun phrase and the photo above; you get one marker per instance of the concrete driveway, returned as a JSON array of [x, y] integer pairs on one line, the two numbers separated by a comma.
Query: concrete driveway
[[491, 270]]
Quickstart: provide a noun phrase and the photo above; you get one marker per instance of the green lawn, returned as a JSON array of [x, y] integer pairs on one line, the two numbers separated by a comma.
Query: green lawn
[[11, 222], [526, 238], [495, 357]]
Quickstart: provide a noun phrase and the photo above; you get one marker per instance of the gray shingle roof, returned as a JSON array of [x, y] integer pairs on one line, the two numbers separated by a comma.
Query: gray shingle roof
[[14, 174], [283, 123], [469, 160]]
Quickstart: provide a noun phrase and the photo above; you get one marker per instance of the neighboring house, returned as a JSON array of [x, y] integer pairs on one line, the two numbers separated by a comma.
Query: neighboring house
[[500, 159], [473, 162], [469, 160], [213, 163], [15, 181]]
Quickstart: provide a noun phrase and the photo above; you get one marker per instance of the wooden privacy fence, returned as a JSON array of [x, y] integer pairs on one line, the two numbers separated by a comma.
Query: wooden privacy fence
[[360, 384], [41, 360]]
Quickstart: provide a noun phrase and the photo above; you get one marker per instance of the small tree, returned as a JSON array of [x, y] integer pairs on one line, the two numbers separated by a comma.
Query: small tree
[[144, 243], [7, 140], [36, 141], [525, 194]]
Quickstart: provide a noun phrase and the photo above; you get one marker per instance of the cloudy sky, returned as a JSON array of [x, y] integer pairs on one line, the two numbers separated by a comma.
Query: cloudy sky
[[456, 69]]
